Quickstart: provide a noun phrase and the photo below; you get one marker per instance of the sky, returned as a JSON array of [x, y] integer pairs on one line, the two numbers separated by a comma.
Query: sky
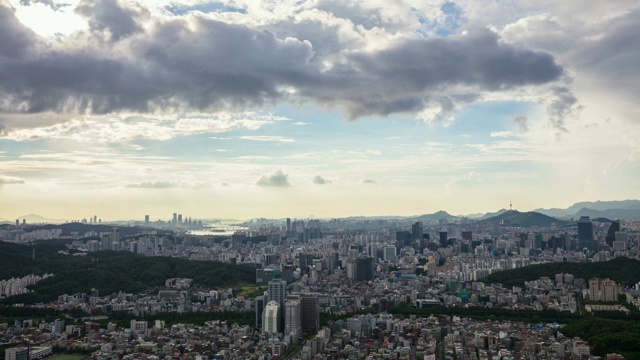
[[318, 108]]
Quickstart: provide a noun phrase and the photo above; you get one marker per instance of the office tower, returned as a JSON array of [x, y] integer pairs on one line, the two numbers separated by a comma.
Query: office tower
[[179, 219], [402, 239], [174, 221], [310, 312], [364, 268], [292, 319], [105, 243], [17, 222], [271, 316], [260, 306], [585, 233], [146, 219], [288, 226], [467, 235], [417, 231], [611, 233], [389, 254], [443, 239], [95, 218], [115, 240], [278, 293], [537, 241]]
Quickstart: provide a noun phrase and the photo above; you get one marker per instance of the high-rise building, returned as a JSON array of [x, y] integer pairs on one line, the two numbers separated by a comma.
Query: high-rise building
[[146, 219], [260, 306], [585, 233], [603, 290], [179, 219], [389, 254], [611, 233], [271, 316], [174, 221], [443, 238], [537, 241], [293, 319], [417, 231], [278, 293], [310, 312], [402, 239], [364, 268]]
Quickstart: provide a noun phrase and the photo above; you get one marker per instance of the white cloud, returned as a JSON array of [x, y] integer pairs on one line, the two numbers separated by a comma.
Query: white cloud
[[471, 176], [7, 180], [267, 138], [502, 134], [277, 179], [113, 128]]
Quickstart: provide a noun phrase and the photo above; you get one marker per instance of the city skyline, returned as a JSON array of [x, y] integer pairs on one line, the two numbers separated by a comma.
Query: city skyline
[[239, 109]]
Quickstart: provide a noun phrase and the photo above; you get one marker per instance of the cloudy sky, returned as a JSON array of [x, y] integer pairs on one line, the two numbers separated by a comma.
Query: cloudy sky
[[246, 108]]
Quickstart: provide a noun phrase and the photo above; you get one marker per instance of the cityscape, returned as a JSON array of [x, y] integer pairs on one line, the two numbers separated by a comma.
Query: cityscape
[[362, 288], [319, 180]]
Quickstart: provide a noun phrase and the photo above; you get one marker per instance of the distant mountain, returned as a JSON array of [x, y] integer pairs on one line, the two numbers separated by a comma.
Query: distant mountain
[[524, 219], [490, 215], [625, 214], [620, 209], [435, 217], [37, 219]]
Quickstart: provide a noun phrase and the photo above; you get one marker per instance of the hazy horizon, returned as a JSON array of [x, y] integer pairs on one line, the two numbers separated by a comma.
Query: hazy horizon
[[242, 109]]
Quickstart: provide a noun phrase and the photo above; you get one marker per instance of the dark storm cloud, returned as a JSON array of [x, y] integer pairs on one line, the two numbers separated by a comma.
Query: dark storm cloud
[[16, 40], [107, 18], [207, 65], [611, 51], [397, 79]]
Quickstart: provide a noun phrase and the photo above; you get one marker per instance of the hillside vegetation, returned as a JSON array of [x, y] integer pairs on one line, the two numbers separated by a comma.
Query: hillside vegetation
[[623, 270], [108, 271]]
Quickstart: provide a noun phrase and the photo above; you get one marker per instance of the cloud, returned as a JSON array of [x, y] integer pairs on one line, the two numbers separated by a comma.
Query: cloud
[[502, 134], [115, 128], [522, 123], [367, 181], [136, 61], [471, 176], [277, 179], [319, 180], [300, 123], [155, 185], [50, 3], [267, 138], [7, 180]]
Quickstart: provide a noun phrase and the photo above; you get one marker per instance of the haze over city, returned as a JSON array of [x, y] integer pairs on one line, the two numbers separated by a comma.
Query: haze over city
[[240, 109]]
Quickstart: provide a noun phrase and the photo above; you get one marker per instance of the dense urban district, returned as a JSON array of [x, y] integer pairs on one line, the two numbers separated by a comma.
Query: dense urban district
[[510, 285]]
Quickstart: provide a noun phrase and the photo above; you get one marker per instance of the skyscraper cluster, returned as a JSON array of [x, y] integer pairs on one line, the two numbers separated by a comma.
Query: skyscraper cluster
[[288, 315]]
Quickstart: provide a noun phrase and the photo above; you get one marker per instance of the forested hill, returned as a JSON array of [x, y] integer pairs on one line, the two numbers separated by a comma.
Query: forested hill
[[622, 270], [108, 271]]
